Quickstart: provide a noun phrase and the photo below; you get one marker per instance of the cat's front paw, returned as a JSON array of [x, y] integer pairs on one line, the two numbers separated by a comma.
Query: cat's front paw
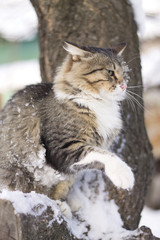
[[119, 173]]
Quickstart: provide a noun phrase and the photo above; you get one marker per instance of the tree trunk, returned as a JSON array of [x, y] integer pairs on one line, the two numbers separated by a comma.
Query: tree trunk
[[102, 23]]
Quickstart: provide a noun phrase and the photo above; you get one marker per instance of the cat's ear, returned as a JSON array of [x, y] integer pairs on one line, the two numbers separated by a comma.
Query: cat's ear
[[74, 50], [119, 48]]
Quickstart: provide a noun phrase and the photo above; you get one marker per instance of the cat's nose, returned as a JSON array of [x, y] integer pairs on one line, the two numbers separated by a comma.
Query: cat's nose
[[123, 86]]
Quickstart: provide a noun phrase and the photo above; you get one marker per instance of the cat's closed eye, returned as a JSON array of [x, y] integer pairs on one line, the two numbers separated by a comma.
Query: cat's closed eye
[[93, 71]]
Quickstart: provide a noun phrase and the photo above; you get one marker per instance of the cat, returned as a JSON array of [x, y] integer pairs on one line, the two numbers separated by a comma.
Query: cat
[[51, 131]]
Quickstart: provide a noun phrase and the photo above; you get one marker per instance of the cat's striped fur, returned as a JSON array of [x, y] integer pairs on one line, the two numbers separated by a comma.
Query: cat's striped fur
[[47, 129]]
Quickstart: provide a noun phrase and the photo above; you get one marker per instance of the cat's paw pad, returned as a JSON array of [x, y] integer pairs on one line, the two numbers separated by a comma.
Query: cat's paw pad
[[120, 173]]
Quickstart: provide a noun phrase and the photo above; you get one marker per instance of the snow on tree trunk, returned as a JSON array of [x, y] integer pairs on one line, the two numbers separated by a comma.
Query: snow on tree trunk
[[29, 226]]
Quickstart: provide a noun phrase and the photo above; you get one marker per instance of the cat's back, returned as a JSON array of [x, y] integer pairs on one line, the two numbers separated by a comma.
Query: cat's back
[[25, 103], [20, 120], [21, 151]]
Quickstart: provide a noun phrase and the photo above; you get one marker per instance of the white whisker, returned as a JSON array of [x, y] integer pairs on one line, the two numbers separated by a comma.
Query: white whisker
[[138, 86], [130, 101], [130, 97], [135, 94], [131, 104], [136, 57], [136, 101]]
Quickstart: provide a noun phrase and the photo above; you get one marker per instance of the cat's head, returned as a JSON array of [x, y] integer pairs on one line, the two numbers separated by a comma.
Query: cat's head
[[97, 72]]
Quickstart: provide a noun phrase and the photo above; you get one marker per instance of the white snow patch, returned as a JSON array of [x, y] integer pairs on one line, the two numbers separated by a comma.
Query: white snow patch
[[47, 176], [146, 14], [36, 161], [14, 76], [94, 216], [151, 6], [151, 219], [43, 173], [150, 68], [138, 15], [20, 20], [31, 203], [152, 29]]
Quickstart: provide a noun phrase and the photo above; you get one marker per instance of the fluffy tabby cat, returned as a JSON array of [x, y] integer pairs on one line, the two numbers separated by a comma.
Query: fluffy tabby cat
[[48, 132]]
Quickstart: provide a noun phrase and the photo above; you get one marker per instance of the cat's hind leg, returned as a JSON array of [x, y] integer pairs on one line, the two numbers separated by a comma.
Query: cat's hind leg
[[116, 169]]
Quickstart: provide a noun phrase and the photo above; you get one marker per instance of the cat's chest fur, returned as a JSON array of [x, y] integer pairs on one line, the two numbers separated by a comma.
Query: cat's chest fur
[[107, 114]]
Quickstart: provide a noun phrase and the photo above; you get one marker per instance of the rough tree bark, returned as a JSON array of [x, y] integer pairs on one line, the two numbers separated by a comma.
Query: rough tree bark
[[102, 23]]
